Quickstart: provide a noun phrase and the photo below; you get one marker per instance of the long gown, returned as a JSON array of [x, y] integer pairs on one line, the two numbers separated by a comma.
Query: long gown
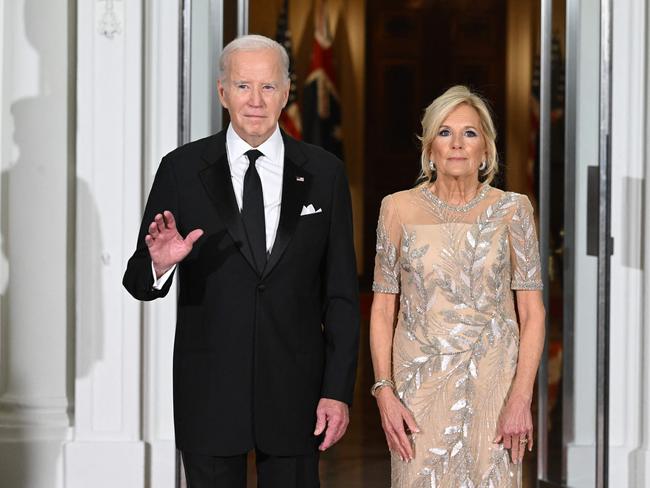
[[456, 341]]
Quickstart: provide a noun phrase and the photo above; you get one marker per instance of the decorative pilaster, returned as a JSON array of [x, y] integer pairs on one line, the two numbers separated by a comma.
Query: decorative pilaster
[[639, 461], [107, 449], [580, 411], [161, 136]]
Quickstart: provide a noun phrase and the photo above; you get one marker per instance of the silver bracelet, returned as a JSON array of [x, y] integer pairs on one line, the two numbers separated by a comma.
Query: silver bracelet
[[380, 384]]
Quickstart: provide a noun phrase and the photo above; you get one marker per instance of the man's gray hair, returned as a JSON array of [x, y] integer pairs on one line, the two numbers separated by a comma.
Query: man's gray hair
[[252, 42]]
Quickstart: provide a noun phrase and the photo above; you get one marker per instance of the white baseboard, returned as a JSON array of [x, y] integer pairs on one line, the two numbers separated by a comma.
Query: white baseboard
[[161, 459], [639, 469], [581, 470], [33, 463], [104, 464]]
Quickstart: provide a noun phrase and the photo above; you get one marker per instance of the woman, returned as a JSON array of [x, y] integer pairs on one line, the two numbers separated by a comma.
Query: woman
[[454, 377]]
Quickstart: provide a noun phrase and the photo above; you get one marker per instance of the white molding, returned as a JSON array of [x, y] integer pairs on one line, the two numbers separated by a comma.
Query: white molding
[[627, 410], [110, 18], [162, 464], [640, 458], [4, 263], [582, 458], [107, 449], [108, 190], [583, 418], [639, 473], [161, 136], [104, 465]]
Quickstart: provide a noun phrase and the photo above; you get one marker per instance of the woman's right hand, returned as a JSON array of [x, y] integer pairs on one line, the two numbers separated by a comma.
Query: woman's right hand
[[393, 417]]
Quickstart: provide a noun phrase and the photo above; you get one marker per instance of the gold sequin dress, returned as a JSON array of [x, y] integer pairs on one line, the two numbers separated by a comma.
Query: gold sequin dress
[[456, 341]]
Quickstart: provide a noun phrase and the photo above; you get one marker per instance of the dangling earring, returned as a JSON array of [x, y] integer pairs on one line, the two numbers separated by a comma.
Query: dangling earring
[[482, 166], [432, 166]]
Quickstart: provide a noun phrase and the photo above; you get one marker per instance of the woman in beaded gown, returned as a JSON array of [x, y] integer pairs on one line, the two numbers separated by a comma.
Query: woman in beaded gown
[[455, 374]]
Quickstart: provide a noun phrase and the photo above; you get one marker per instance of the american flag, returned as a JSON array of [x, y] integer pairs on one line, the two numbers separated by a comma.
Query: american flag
[[321, 104], [290, 117]]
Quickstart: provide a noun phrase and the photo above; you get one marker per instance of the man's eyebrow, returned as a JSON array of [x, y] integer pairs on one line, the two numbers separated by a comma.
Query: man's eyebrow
[[241, 82]]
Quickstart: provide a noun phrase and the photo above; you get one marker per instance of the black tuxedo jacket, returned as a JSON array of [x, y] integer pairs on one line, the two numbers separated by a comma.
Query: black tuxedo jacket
[[254, 353]]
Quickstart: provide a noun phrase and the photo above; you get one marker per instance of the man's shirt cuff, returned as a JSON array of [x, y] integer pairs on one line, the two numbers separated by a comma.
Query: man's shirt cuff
[[160, 282]]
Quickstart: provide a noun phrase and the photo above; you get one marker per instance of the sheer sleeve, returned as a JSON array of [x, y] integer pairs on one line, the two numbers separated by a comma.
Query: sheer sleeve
[[389, 231], [524, 249]]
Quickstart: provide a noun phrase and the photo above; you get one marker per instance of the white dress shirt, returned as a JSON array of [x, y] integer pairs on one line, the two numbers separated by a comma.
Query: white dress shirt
[[270, 167]]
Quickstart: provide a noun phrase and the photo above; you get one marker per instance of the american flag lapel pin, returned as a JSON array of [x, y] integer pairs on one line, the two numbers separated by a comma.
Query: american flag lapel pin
[[300, 178]]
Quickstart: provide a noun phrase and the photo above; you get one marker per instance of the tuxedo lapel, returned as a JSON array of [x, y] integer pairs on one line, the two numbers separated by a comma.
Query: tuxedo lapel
[[295, 185], [217, 182]]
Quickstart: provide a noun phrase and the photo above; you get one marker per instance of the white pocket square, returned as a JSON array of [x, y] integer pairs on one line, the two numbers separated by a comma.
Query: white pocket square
[[309, 209]]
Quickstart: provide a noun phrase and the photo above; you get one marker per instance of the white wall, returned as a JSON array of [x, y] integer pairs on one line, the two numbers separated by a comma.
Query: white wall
[[36, 234], [88, 109], [127, 120]]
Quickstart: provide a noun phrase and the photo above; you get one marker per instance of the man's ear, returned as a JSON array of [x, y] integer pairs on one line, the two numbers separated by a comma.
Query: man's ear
[[221, 92], [286, 94]]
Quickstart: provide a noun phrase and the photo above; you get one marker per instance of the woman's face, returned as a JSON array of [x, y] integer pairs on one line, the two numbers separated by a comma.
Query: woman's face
[[459, 147]]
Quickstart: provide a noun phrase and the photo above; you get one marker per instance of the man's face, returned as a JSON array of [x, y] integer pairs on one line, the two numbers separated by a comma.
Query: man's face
[[254, 91]]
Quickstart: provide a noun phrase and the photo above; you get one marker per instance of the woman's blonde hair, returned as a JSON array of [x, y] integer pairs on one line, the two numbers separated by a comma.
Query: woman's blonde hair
[[436, 113]]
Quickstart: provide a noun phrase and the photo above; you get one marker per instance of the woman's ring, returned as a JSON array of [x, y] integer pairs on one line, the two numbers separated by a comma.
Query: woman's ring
[[523, 440]]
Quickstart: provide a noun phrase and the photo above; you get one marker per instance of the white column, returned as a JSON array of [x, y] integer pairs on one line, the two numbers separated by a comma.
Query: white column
[[35, 280], [639, 468], [626, 322], [161, 129], [581, 450], [107, 450]]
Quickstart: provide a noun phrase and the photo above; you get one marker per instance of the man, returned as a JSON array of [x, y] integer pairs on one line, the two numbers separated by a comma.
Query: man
[[258, 228]]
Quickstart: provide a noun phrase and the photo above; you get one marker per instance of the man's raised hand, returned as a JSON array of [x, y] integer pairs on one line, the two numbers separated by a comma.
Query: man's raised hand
[[166, 246]]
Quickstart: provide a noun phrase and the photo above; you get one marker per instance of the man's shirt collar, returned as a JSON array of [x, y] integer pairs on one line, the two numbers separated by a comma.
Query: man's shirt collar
[[271, 148]]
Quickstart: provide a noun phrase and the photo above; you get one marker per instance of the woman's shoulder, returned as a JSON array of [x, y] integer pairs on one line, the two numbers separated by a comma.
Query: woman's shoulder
[[402, 197], [498, 194], [400, 203], [513, 206]]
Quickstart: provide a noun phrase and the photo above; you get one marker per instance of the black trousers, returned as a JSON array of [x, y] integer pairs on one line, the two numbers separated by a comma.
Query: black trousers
[[202, 471]]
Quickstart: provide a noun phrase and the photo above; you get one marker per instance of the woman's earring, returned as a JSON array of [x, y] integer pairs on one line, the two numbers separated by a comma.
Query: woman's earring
[[432, 166], [482, 166]]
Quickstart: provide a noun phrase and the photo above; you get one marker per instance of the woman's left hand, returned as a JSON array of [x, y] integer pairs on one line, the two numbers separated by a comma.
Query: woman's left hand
[[515, 427]]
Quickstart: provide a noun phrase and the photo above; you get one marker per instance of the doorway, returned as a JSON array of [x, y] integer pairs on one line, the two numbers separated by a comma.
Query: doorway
[[539, 64]]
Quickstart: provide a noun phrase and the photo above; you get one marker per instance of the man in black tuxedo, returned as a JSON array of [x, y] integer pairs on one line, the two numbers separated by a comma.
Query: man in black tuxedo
[[268, 316]]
